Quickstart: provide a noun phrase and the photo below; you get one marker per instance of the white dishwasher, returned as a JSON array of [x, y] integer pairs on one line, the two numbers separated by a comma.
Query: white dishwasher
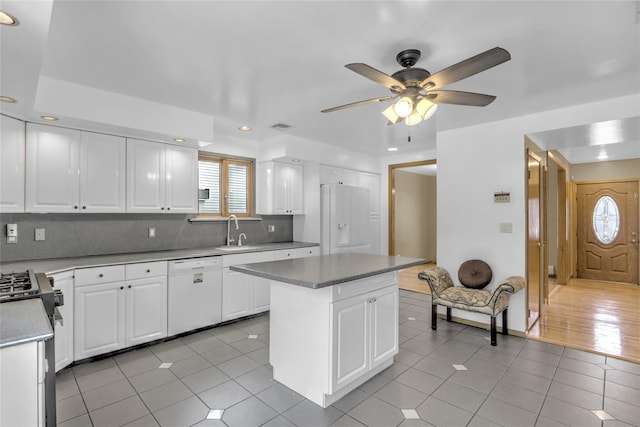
[[195, 294]]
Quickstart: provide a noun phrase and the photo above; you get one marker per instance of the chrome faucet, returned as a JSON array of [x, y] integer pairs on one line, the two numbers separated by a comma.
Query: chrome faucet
[[240, 238], [230, 239]]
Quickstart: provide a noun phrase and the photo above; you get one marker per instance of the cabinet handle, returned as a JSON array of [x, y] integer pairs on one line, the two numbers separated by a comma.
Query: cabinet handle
[[168, 209], [75, 207], [121, 287], [148, 270], [84, 207], [100, 275], [162, 208], [129, 286]]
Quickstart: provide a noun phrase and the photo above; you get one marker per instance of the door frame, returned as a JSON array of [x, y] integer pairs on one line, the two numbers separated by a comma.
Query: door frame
[[392, 197], [564, 266], [574, 217], [542, 210]]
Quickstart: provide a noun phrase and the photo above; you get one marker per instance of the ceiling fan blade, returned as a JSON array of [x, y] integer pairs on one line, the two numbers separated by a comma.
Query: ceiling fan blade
[[377, 76], [466, 68], [358, 103], [460, 98]]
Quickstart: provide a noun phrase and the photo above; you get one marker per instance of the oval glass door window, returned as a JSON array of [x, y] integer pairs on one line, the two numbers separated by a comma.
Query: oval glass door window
[[606, 219]]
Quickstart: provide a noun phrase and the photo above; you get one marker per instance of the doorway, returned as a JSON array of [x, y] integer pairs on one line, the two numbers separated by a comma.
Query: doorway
[[534, 238], [412, 209], [607, 230], [557, 244]]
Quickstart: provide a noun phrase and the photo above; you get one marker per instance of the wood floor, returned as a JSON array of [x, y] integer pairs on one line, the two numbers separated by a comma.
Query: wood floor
[[599, 317]]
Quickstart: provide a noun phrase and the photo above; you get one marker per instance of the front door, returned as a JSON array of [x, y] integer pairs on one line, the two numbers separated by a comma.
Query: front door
[[607, 231]]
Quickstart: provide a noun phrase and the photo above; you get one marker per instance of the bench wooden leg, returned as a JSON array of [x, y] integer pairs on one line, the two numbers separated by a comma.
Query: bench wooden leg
[[434, 316], [448, 314], [505, 329], [493, 331]]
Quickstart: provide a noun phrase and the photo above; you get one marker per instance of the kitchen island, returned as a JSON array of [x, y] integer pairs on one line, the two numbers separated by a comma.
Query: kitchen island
[[333, 321]]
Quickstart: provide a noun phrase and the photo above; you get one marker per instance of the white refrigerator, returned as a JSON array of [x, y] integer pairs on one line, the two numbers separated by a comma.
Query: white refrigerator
[[345, 219]]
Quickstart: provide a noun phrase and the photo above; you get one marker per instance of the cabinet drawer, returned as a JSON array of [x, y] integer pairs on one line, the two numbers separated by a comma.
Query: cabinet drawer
[[311, 251], [229, 260], [145, 269], [360, 286], [286, 254], [97, 275]]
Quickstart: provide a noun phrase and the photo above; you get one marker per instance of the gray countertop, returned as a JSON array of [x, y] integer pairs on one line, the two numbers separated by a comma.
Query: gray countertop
[[22, 322], [327, 270], [51, 266]]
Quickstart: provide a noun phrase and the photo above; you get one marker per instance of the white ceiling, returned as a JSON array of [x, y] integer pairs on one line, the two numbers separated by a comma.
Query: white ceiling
[[127, 66]]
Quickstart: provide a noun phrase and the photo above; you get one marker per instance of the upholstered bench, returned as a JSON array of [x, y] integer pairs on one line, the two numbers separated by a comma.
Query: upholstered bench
[[493, 302]]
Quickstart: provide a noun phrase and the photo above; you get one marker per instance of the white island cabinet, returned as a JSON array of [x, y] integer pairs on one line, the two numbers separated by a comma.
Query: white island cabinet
[[333, 320]]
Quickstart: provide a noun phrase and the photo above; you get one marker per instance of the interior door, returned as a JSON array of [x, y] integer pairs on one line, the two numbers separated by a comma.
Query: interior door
[[534, 240], [607, 231]]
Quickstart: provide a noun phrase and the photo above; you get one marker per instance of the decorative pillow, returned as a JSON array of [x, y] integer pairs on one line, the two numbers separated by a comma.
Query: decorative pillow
[[475, 274]]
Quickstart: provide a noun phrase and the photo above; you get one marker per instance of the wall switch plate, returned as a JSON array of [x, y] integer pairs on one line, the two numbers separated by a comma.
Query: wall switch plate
[[152, 232], [271, 228], [12, 233], [506, 227], [39, 234], [502, 197]]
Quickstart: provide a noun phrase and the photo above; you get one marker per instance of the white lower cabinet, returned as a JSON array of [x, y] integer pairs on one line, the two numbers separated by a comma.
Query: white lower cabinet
[[64, 330], [242, 294], [365, 334], [114, 311]]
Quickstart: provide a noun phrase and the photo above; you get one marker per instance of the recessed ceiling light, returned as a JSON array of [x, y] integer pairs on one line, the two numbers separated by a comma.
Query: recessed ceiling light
[[8, 19], [7, 99], [203, 143], [392, 149], [49, 118], [244, 128], [295, 160], [178, 139]]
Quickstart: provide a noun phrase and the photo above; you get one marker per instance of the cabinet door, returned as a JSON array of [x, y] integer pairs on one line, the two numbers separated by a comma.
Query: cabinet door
[[235, 294], [145, 176], [350, 340], [296, 198], [334, 175], [102, 173], [98, 319], [181, 173], [260, 295], [64, 330], [371, 181], [146, 310], [53, 163], [11, 165], [384, 325], [281, 188]]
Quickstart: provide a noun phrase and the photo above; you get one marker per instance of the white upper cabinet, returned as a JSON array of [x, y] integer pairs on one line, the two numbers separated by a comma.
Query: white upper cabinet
[[102, 173], [72, 171], [11, 165], [161, 177], [334, 175], [280, 188], [53, 167]]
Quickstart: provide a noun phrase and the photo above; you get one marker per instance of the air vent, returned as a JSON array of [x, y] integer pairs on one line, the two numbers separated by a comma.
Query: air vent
[[281, 126]]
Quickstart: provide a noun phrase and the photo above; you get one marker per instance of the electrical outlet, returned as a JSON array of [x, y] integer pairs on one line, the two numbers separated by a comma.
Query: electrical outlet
[[39, 234], [271, 228], [12, 233], [152, 232]]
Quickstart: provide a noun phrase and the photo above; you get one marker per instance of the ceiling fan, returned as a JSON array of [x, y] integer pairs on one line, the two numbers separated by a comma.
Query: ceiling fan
[[418, 89]]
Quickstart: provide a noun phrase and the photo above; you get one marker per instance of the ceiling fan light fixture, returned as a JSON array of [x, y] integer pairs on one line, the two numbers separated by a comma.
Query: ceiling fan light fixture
[[403, 107], [426, 108], [413, 118], [390, 114]]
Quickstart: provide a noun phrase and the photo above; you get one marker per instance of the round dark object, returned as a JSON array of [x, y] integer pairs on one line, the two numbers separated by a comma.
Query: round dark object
[[475, 274]]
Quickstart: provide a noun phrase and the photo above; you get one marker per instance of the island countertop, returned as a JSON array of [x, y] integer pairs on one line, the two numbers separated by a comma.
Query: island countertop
[[327, 270]]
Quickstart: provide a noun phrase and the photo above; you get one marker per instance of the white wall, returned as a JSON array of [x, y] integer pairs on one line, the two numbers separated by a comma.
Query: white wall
[[475, 162]]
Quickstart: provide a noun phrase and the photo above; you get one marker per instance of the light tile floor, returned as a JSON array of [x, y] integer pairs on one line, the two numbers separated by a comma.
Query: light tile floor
[[520, 382]]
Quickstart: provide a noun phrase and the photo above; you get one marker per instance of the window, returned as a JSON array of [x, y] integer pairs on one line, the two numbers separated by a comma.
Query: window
[[225, 186], [606, 219]]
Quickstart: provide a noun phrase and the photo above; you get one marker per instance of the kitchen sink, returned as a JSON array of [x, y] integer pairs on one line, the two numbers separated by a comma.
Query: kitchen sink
[[235, 248]]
